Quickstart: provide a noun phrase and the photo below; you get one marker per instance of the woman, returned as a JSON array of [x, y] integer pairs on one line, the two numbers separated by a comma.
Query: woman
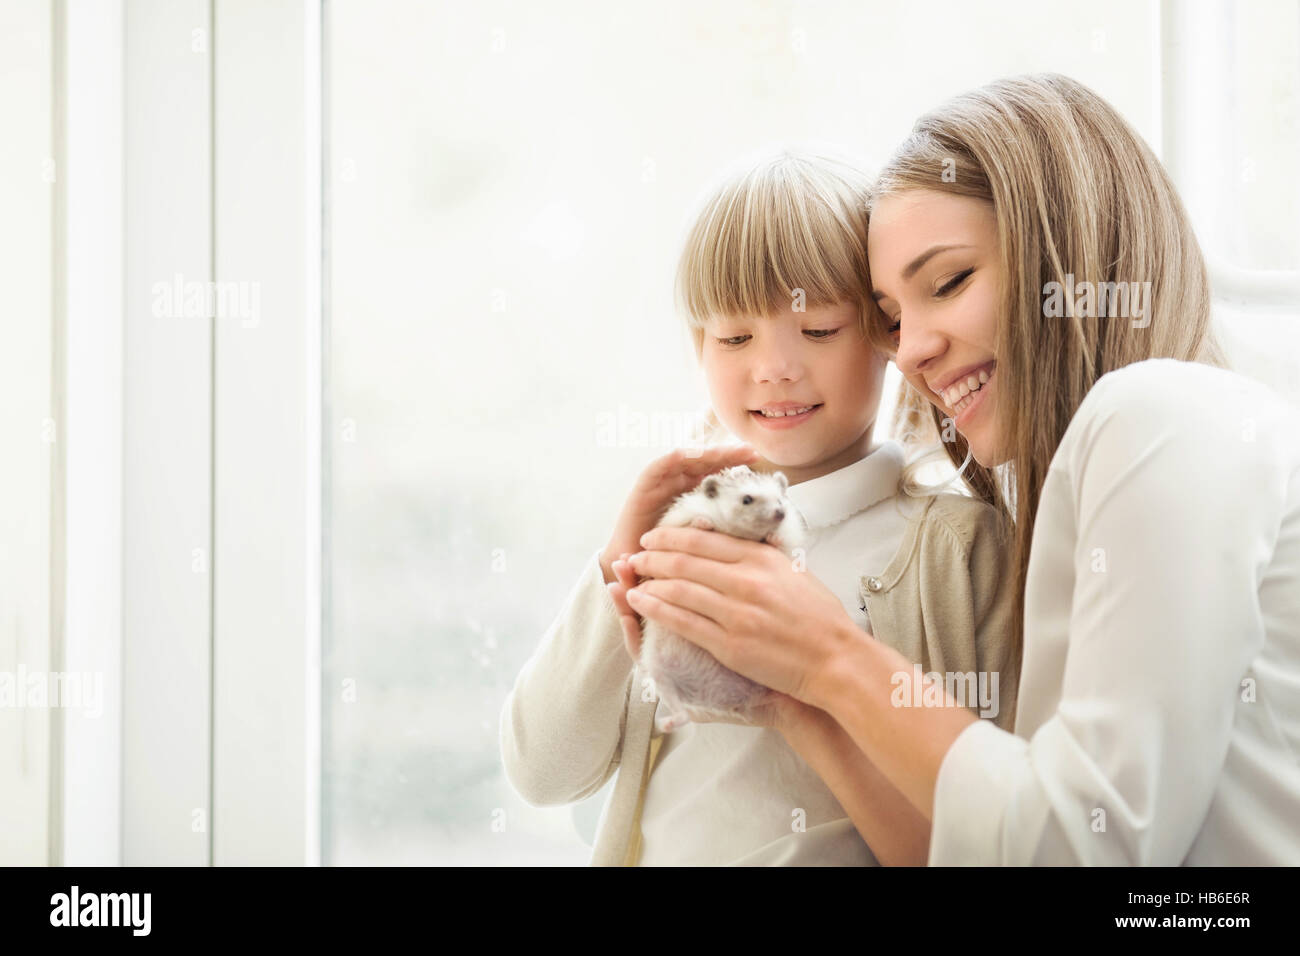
[[1027, 247]]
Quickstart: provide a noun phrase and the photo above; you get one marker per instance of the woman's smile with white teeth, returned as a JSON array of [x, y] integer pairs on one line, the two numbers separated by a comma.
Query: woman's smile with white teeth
[[953, 395]]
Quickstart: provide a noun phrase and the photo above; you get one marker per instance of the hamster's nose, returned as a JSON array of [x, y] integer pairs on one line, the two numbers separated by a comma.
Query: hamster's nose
[[779, 515]]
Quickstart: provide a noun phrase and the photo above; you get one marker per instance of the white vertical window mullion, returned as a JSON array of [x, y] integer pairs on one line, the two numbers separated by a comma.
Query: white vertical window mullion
[[267, 442], [89, 806], [167, 435]]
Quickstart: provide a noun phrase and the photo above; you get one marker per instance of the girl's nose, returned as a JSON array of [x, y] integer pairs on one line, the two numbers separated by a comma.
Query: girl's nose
[[776, 363]]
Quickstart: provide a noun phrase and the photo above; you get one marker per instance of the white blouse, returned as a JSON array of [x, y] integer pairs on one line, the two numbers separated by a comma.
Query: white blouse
[[1159, 705]]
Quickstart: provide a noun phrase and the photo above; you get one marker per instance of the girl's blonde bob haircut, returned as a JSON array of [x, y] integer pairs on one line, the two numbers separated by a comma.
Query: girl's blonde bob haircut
[[784, 231]]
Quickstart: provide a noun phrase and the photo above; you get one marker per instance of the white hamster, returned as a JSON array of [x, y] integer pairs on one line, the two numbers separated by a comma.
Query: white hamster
[[688, 679]]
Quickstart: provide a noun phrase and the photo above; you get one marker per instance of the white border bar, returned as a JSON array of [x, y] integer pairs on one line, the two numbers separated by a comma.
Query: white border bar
[[167, 437], [313, 327], [92, 172], [266, 710]]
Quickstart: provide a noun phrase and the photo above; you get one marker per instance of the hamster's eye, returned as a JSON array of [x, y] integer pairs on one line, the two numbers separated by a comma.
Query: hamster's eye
[[747, 500]]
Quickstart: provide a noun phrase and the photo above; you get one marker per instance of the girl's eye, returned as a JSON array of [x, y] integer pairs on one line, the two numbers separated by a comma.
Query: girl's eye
[[957, 280], [735, 340]]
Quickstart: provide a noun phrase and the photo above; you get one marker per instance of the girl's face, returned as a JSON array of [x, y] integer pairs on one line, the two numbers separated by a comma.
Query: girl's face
[[936, 274], [817, 358]]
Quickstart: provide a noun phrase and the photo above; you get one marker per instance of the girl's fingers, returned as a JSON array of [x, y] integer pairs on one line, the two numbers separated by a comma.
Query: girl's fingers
[[624, 574], [631, 635], [711, 459], [707, 460], [618, 594]]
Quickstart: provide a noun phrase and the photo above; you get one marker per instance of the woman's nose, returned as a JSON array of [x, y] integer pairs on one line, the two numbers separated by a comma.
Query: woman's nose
[[917, 350]]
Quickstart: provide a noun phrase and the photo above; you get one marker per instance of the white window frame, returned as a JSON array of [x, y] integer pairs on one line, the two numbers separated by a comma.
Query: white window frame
[[267, 442], [32, 420], [193, 469], [1197, 60], [86, 752]]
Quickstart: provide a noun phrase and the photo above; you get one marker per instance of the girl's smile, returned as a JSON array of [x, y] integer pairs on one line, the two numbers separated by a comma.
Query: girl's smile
[[785, 418], [802, 388]]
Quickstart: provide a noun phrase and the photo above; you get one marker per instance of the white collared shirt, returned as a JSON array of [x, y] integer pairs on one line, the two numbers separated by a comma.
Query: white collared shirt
[[1159, 707], [729, 794]]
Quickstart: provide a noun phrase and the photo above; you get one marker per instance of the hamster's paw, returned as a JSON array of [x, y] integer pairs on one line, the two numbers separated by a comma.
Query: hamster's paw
[[702, 522], [778, 541], [788, 542], [666, 723]]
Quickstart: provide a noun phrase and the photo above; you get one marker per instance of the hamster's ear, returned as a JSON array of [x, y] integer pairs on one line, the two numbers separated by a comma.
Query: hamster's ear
[[710, 486], [780, 476]]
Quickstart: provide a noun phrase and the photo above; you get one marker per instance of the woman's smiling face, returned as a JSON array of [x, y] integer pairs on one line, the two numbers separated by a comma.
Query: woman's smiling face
[[816, 358], [935, 272]]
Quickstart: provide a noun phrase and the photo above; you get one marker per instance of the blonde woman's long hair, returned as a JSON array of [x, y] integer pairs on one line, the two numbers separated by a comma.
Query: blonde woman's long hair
[[1076, 191], [785, 226]]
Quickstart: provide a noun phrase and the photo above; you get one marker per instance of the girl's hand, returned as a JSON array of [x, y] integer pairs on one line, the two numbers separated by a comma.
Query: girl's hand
[[778, 711], [743, 602], [626, 580], [662, 481]]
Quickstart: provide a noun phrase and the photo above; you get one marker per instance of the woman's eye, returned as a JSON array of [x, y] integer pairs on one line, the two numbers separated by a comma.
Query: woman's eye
[[957, 280], [893, 328]]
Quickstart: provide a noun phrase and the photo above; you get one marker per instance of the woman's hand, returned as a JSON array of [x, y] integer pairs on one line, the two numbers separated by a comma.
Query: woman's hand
[[743, 602], [777, 711]]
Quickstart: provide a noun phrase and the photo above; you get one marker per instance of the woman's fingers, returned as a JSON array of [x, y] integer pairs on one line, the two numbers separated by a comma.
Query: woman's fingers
[[658, 605], [727, 566], [705, 544]]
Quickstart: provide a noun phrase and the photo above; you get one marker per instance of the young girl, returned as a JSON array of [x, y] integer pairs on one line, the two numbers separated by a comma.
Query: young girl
[[774, 280], [1156, 496]]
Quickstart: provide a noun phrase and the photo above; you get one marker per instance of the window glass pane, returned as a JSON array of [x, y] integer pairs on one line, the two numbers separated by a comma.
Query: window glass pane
[[1263, 198], [509, 185]]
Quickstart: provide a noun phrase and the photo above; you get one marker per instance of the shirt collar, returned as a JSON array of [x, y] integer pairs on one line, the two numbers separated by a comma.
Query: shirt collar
[[832, 498]]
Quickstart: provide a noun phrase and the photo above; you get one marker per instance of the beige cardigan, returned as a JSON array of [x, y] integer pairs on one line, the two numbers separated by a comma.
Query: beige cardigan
[[946, 601]]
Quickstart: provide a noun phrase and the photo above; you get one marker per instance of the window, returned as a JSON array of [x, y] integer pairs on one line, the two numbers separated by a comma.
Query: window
[[507, 191]]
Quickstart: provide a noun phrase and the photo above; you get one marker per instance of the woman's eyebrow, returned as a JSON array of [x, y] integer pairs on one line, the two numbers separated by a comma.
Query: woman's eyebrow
[[914, 266]]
